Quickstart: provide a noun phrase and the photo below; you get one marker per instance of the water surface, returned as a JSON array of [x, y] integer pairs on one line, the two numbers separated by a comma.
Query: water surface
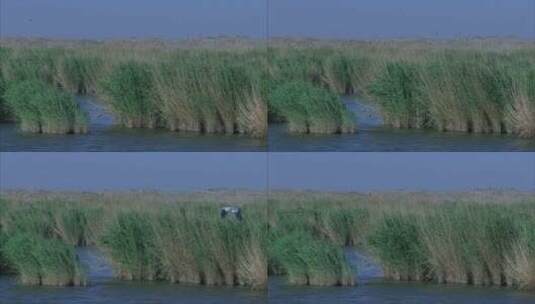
[[372, 136], [105, 135]]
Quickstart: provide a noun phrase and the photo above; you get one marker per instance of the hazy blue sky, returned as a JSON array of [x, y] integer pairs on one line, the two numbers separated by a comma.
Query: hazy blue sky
[[402, 171], [133, 18], [315, 18], [319, 171], [402, 18], [158, 171]]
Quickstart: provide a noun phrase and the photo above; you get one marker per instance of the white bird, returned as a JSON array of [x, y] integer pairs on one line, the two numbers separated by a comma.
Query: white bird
[[235, 211]]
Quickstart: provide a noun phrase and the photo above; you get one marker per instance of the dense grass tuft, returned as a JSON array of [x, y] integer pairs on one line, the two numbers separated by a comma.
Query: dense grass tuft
[[212, 92], [3, 262], [397, 244], [130, 243], [459, 243], [306, 242], [309, 109], [78, 73], [308, 261], [39, 108], [39, 261], [130, 88]]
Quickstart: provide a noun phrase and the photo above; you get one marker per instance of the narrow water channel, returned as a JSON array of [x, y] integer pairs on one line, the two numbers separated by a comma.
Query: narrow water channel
[[105, 135]]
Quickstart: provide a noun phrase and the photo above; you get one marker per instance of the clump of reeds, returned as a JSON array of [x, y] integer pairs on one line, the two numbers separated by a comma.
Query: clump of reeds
[[478, 244], [457, 91], [72, 223], [397, 243], [5, 114], [305, 260], [520, 115], [31, 64], [3, 262], [396, 89], [339, 224], [130, 242], [187, 246], [212, 93], [77, 73], [347, 73], [130, 91], [306, 242], [39, 261], [310, 109], [40, 108], [520, 259]]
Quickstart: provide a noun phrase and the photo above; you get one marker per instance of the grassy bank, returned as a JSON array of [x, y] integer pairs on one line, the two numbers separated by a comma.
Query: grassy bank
[[150, 238]]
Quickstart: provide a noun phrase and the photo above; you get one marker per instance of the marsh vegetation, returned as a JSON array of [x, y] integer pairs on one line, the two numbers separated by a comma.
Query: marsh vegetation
[[480, 238], [469, 238], [478, 86], [145, 239], [147, 86]]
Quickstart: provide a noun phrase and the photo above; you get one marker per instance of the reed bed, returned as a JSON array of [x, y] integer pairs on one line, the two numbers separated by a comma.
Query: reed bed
[[179, 242], [305, 260], [476, 238], [478, 86], [306, 242], [310, 109], [42, 109], [206, 90], [480, 238], [470, 244], [182, 246], [39, 261], [477, 90]]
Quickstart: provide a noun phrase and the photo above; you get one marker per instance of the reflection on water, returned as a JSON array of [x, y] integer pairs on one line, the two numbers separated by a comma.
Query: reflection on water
[[381, 292], [103, 288], [105, 135], [373, 137]]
